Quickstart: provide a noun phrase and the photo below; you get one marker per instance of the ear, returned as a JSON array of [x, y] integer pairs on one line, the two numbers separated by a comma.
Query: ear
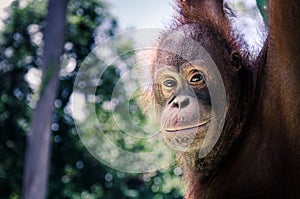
[[236, 61]]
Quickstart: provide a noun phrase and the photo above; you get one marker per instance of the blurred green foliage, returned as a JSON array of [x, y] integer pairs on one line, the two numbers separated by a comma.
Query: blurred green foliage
[[263, 6], [74, 172]]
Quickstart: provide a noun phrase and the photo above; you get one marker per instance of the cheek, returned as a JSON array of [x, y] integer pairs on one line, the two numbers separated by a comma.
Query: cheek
[[204, 98]]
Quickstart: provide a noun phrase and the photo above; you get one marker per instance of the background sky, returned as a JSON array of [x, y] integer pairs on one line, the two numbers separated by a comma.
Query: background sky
[[131, 13], [142, 14]]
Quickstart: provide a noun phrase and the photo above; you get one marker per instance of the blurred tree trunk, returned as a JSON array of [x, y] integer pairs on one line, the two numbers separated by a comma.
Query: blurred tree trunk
[[39, 139]]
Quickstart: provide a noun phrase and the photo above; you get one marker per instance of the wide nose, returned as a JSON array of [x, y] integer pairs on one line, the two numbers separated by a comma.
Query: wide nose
[[179, 102]]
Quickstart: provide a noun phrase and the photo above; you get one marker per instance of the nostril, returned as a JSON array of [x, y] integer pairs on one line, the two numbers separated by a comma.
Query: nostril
[[179, 102], [184, 103], [175, 104], [171, 101]]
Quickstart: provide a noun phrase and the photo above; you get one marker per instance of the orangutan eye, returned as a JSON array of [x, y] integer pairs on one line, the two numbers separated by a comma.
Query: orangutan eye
[[197, 78], [170, 83]]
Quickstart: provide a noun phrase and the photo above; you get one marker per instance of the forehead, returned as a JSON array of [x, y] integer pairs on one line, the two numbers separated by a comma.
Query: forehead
[[175, 64], [169, 60], [178, 48], [182, 47], [174, 61]]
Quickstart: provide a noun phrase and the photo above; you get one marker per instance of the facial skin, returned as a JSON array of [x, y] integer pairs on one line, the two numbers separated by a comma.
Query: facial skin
[[188, 92], [185, 100]]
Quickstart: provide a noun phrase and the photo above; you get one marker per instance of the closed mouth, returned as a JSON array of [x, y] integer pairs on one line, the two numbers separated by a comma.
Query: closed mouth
[[187, 128]]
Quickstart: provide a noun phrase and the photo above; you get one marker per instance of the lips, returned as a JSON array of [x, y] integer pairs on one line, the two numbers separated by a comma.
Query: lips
[[187, 129]]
